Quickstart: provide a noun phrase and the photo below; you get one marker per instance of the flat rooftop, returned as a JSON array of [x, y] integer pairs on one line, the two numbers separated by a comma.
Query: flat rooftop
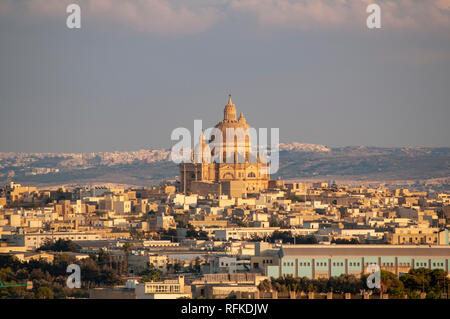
[[365, 250]]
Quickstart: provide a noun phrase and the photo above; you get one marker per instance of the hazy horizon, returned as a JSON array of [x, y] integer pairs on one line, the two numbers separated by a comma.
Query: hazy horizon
[[168, 148]]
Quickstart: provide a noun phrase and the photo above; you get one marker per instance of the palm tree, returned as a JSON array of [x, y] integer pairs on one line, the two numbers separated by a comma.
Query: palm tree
[[126, 251], [264, 285]]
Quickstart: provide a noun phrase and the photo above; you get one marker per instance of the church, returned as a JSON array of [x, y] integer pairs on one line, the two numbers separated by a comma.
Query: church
[[234, 176]]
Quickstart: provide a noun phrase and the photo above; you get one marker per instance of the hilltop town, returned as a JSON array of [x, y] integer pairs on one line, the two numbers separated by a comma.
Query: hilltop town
[[202, 238], [223, 230]]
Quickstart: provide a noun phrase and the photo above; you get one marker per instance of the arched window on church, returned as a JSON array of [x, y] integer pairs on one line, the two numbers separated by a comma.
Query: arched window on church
[[251, 174], [228, 175]]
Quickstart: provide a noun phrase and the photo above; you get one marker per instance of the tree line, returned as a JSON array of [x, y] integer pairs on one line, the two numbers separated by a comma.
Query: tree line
[[286, 237], [49, 279], [433, 283]]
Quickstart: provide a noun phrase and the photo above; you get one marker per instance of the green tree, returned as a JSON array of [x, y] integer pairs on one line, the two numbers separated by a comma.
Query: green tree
[[44, 293], [59, 245], [126, 252], [391, 284], [274, 222], [151, 274]]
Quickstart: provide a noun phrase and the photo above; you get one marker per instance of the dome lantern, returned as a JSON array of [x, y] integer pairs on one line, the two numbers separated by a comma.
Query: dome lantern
[[230, 110]]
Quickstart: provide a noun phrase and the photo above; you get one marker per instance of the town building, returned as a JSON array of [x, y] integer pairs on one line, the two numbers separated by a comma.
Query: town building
[[320, 261]]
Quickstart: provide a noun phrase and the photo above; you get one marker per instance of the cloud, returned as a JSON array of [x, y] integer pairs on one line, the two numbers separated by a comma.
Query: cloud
[[174, 17], [308, 14], [153, 16]]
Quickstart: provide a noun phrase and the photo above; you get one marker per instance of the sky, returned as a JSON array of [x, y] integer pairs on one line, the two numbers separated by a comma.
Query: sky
[[136, 70]]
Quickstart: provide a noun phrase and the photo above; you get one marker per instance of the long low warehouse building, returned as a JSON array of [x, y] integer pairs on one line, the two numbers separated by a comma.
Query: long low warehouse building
[[318, 261]]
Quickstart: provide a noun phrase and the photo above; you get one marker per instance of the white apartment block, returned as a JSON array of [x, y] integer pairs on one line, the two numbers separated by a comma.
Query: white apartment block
[[35, 240]]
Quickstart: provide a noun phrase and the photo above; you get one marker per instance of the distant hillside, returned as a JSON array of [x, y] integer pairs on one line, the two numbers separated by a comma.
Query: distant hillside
[[362, 162], [297, 161]]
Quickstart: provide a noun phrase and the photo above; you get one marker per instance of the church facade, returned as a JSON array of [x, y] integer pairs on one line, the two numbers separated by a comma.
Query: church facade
[[238, 170]]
